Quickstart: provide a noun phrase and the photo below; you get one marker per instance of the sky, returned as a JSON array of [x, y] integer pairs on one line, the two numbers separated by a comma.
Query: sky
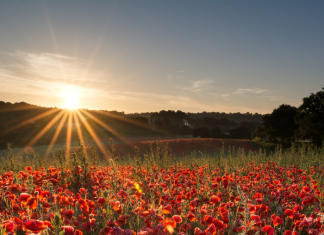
[[146, 56]]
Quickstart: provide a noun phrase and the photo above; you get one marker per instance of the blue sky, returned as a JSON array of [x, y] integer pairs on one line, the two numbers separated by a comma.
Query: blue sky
[[136, 56]]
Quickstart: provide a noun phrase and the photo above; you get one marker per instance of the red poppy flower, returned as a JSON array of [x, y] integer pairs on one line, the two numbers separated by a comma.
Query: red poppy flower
[[211, 230], [167, 209], [78, 232], [191, 216], [289, 213], [32, 203], [9, 226], [68, 230], [28, 168], [121, 220], [268, 229], [177, 219], [277, 221], [198, 231], [23, 198], [34, 225], [68, 214]]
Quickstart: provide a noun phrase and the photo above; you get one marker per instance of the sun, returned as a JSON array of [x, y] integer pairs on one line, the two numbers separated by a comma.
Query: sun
[[71, 100]]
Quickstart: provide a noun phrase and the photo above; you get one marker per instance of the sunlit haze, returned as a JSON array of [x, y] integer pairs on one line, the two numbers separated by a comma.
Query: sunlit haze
[[138, 56]]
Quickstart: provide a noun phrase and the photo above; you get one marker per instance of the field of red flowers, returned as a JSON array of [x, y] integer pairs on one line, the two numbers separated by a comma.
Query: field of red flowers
[[197, 199], [182, 147]]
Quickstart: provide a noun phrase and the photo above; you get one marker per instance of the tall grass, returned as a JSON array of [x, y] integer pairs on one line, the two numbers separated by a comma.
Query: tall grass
[[160, 154]]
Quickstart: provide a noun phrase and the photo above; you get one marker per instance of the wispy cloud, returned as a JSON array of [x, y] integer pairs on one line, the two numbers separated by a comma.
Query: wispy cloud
[[244, 91], [249, 90], [46, 74], [198, 86], [53, 66], [271, 97], [175, 75]]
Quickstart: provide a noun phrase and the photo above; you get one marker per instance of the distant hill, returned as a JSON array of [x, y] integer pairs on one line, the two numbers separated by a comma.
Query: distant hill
[[21, 122]]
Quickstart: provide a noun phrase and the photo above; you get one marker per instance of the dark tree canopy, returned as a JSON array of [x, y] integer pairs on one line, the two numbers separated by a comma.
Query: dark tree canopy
[[240, 132], [310, 118], [280, 124], [158, 124], [202, 132], [216, 132]]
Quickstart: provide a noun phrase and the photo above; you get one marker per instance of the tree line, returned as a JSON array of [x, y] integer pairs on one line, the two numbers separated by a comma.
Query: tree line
[[160, 123], [287, 124]]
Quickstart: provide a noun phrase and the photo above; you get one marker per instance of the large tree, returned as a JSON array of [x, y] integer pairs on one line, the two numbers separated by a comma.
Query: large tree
[[280, 124], [310, 118]]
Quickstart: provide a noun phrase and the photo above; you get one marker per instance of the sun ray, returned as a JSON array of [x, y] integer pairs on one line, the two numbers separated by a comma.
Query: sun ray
[[57, 132], [45, 129], [127, 120], [101, 123], [92, 133], [16, 109], [69, 133], [42, 115], [51, 30], [78, 127], [94, 53]]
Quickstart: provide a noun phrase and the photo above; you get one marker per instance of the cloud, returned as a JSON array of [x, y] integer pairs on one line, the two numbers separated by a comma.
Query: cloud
[[53, 66], [272, 98], [244, 91], [47, 74], [249, 90], [199, 85], [175, 75]]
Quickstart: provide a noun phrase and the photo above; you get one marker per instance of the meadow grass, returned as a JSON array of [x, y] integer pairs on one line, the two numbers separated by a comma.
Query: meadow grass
[[303, 156]]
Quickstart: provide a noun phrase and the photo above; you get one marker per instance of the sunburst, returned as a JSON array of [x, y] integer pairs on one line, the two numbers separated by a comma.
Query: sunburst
[[71, 100]]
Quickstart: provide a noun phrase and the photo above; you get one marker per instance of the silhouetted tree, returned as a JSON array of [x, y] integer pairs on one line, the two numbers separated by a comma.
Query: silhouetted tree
[[185, 130], [158, 124], [215, 132], [310, 118], [202, 132], [240, 132], [280, 124], [259, 132]]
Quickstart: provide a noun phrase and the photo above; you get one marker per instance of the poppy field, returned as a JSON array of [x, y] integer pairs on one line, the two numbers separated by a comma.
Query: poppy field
[[232, 192]]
